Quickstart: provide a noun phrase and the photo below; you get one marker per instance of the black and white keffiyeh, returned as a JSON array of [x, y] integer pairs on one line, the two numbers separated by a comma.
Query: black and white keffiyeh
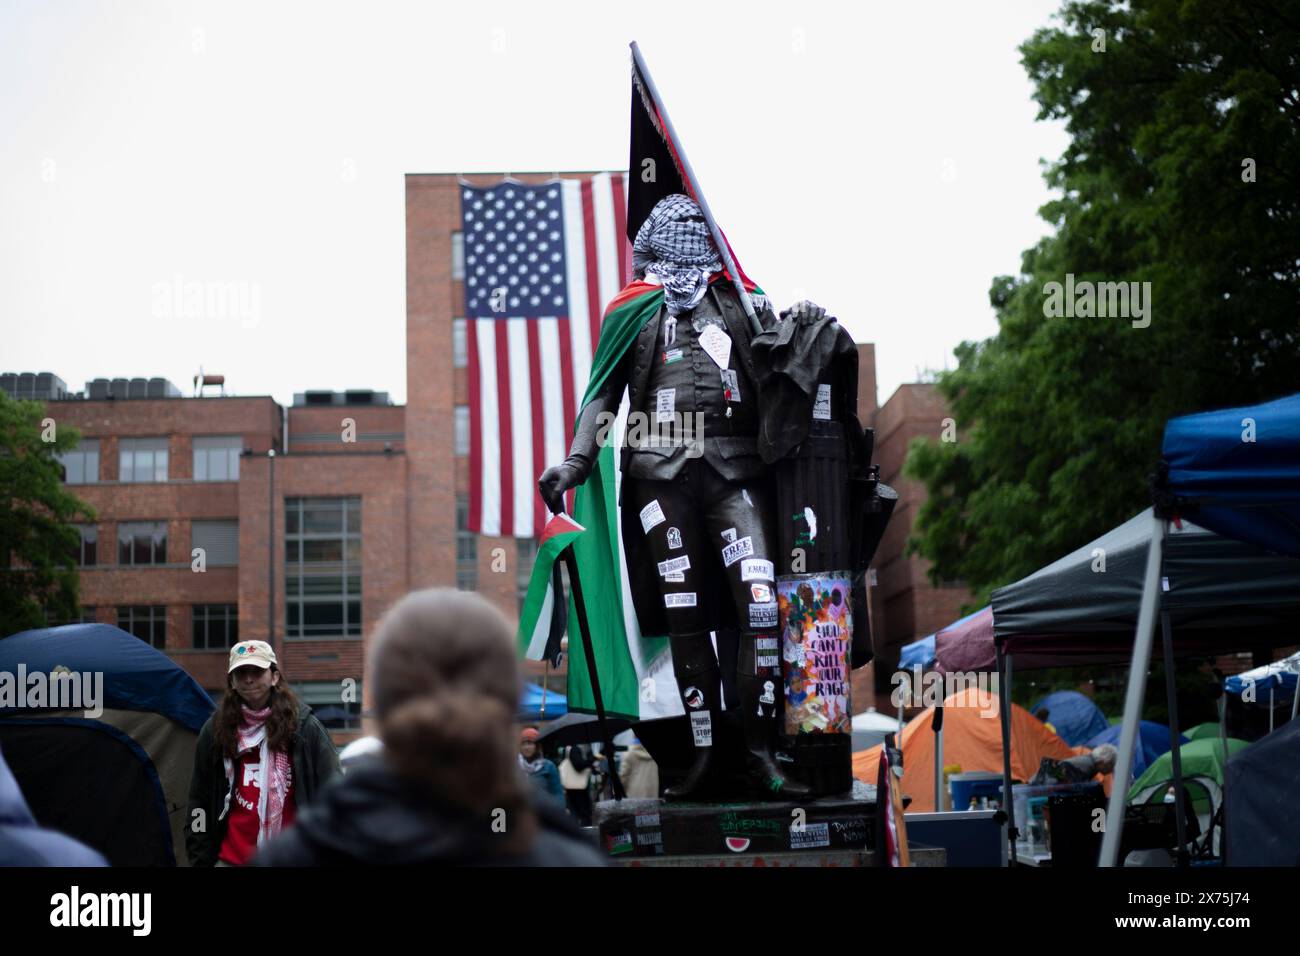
[[674, 244]]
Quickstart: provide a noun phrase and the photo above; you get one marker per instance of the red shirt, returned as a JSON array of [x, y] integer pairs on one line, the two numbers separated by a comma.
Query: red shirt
[[242, 822]]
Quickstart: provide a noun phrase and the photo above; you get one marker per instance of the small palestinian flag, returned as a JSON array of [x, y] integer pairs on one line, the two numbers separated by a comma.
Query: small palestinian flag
[[543, 620]]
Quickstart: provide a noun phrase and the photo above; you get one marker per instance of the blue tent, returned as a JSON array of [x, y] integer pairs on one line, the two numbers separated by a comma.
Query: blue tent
[[1152, 741], [530, 703], [917, 653], [1280, 677], [109, 764], [136, 677], [1074, 715], [1236, 471]]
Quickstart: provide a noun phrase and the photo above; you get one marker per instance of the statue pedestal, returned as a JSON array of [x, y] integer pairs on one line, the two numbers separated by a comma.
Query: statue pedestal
[[829, 831]]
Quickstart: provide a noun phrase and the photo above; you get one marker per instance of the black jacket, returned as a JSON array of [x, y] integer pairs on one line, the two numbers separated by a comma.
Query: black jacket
[[315, 763], [373, 817]]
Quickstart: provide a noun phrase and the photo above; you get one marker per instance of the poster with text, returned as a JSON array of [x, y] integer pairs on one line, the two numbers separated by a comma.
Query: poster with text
[[817, 634]]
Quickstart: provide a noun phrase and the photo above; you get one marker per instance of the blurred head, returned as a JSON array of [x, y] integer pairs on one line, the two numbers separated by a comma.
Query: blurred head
[[1104, 757], [445, 688], [1042, 714]]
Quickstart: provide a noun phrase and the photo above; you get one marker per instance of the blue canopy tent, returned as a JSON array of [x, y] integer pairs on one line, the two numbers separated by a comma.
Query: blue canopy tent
[[1153, 741], [1074, 715], [1267, 685], [111, 763], [1235, 471], [530, 704]]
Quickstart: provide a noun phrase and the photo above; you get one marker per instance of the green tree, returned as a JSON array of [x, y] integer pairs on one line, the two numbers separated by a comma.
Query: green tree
[[38, 574], [1180, 172]]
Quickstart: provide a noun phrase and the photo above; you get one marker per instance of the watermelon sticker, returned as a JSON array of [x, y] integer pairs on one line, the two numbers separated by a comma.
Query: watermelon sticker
[[737, 844]]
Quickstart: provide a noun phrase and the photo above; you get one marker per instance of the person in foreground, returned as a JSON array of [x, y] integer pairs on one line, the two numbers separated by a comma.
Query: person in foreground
[[447, 788]]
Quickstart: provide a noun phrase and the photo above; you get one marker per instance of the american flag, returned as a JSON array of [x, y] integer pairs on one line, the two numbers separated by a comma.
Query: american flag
[[541, 261]]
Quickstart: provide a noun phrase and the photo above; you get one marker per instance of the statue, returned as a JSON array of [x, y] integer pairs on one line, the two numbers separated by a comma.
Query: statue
[[696, 509]]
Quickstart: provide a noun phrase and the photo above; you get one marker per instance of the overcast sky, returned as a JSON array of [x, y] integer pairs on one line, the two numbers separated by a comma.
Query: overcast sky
[[880, 159]]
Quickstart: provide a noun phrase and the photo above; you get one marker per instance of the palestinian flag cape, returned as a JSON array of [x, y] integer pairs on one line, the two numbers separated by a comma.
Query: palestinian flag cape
[[634, 669]]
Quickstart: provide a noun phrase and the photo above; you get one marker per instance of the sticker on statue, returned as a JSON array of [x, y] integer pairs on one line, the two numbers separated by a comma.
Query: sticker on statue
[[741, 548], [652, 515]]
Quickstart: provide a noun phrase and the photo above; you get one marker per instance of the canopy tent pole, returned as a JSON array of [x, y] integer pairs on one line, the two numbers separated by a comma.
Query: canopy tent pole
[[1175, 756], [1137, 679], [937, 726], [1270, 708], [1004, 715], [1295, 699]]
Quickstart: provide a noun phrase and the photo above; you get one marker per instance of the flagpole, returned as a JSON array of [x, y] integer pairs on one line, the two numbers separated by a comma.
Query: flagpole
[[724, 251], [580, 606]]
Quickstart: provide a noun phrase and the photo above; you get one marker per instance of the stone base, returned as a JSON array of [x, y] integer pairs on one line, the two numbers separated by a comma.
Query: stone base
[[842, 828]]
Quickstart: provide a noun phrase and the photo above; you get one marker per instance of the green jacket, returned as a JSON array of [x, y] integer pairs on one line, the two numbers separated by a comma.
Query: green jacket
[[315, 763]]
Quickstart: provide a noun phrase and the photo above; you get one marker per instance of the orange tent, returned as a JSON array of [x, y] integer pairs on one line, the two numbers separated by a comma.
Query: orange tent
[[972, 738]]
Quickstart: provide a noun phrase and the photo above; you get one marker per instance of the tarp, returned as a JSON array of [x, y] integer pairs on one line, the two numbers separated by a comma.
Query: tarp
[[136, 677], [1222, 595], [1280, 677], [1074, 715], [972, 739], [1152, 741], [1262, 824], [1200, 759], [1237, 471]]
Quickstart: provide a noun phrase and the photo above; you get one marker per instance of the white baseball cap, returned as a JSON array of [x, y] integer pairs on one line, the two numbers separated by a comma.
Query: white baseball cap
[[256, 653]]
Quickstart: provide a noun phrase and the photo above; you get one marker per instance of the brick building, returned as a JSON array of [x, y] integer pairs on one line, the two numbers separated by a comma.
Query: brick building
[[314, 519]]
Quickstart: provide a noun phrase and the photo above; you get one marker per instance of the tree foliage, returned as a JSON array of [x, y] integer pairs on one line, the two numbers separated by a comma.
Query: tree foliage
[[1060, 419], [38, 575]]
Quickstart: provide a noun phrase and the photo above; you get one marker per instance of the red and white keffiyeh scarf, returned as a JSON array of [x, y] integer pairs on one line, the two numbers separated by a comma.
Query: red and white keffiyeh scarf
[[272, 795]]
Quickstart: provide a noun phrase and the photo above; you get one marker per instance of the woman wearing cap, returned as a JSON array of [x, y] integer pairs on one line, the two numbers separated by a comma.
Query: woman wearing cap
[[447, 787], [543, 773], [259, 758]]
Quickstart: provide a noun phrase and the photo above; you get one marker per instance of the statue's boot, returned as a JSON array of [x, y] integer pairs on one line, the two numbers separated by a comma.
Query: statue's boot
[[758, 688], [700, 682]]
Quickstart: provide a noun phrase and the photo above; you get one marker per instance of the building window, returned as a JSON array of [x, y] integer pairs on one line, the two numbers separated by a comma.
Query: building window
[[461, 422], [326, 701], [147, 622], [88, 551], [459, 344], [322, 576], [142, 459], [525, 558], [81, 465], [466, 548], [457, 256], [142, 542], [216, 458], [216, 626], [219, 541]]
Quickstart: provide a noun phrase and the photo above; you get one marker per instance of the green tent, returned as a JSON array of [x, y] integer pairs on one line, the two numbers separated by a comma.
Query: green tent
[[1209, 731], [1202, 761]]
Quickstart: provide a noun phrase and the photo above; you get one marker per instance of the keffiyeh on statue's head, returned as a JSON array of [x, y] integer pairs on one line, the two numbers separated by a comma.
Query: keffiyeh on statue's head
[[674, 244]]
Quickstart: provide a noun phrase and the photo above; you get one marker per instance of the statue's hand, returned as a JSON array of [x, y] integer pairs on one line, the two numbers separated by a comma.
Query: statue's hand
[[555, 481], [804, 311]]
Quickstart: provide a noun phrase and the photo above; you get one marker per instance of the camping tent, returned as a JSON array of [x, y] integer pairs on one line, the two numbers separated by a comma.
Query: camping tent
[[972, 740], [1153, 740], [1074, 715], [1235, 471], [116, 780], [917, 654], [1261, 817], [1202, 760]]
